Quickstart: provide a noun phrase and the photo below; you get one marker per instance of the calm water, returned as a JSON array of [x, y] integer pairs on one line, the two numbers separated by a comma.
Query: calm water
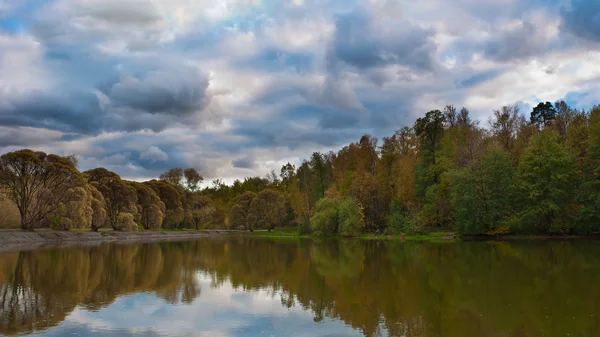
[[261, 287]]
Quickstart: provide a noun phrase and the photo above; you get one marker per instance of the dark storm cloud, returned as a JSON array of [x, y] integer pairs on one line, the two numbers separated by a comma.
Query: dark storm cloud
[[328, 117], [358, 43], [582, 18], [244, 163], [78, 112], [140, 155], [520, 42], [171, 92]]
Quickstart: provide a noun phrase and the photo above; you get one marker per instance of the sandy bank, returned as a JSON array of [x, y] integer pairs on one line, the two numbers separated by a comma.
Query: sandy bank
[[11, 240]]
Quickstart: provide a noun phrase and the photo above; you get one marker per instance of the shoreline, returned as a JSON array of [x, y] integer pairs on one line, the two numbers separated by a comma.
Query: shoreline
[[11, 240], [19, 240]]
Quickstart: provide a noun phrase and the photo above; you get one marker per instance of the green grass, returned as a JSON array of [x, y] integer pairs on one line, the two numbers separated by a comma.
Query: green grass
[[433, 236], [290, 232]]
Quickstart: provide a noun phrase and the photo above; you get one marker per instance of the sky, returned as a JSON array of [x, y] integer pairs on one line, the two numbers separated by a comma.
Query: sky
[[238, 88]]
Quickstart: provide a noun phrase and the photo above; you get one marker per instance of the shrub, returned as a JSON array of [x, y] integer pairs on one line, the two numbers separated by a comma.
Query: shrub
[[397, 221], [337, 216], [325, 220], [350, 217]]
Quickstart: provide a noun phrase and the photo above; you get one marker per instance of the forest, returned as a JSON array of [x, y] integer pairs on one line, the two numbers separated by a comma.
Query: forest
[[513, 174]]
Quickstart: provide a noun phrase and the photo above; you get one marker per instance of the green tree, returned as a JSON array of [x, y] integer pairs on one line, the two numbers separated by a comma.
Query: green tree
[[240, 210], [543, 115], [325, 219], [430, 131], [545, 181], [350, 217], [588, 217], [481, 195], [267, 210], [337, 216]]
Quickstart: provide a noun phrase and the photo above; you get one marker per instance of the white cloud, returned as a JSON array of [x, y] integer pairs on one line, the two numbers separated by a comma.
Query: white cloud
[[155, 154]]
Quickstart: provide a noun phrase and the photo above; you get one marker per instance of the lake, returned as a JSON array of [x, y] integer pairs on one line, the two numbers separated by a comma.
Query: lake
[[241, 286]]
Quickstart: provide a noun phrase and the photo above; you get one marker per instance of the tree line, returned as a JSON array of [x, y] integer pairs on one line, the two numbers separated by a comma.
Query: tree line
[[533, 175]]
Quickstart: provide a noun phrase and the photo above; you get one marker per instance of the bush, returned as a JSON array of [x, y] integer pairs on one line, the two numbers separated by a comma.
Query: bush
[[350, 217], [397, 221], [337, 216], [303, 229], [325, 220]]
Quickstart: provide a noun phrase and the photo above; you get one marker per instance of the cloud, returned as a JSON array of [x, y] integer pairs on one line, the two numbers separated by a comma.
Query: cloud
[[582, 19], [27, 136], [244, 163], [155, 154], [237, 87], [519, 42], [363, 41], [128, 12], [175, 92], [73, 112]]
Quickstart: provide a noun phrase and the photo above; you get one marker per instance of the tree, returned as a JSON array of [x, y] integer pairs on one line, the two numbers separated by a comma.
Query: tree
[[545, 180], [192, 179], [505, 124], [173, 176], [119, 197], [337, 216], [463, 119], [577, 139], [98, 208], [77, 212], [450, 115], [430, 130], [350, 217], [203, 211], [319, 167], [543, 115], [325, 219], [36, 183], [564, 116], [239, 211], [481, 195], [267, 210], [172, 199], [587, 141], [151, 210]]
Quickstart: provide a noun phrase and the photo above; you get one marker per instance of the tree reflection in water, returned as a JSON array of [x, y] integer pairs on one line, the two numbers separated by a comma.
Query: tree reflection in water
[[379, 287]]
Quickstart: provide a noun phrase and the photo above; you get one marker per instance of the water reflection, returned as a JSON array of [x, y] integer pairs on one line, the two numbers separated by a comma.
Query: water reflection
[[251, 286]]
